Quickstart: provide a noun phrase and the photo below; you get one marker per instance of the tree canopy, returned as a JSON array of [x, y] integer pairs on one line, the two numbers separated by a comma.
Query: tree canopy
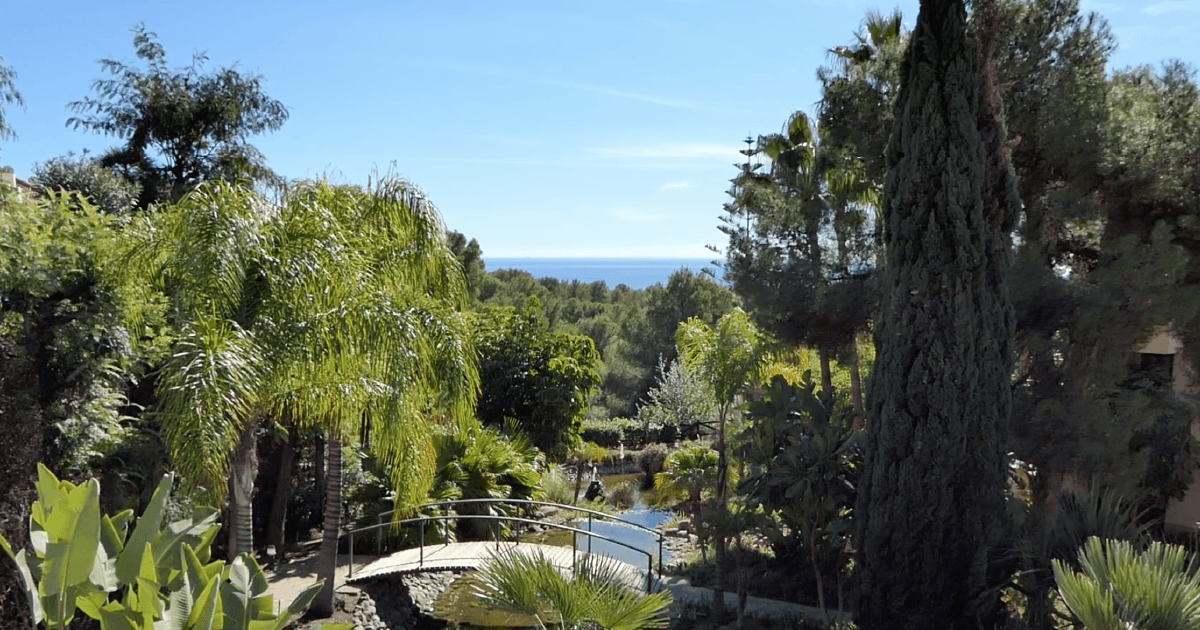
[[181, 126]]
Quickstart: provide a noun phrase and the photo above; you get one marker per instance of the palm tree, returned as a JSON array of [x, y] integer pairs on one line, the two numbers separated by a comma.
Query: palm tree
[[1120, 587], [689, 471], [336, 309], [781, 260], [727, 357], [594, 595]]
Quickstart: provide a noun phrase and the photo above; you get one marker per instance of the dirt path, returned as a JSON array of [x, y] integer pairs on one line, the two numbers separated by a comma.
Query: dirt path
[[286, 582]]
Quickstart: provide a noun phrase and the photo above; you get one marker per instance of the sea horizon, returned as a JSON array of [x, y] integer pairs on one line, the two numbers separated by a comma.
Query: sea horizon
[[633, 272]]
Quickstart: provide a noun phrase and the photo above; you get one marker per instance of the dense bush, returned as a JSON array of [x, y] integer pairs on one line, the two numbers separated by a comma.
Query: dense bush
[[630, 432], [650, 462]]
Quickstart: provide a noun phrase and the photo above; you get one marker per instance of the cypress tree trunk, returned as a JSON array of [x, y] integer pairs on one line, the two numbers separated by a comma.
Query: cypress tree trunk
[[327, 558], [931, 499]]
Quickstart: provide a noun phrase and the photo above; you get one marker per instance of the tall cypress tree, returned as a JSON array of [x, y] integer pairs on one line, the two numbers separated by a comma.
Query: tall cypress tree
[[931, 498]]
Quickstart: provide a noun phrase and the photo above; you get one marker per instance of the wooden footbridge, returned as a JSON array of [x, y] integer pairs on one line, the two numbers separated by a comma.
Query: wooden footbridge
[[468, 556]]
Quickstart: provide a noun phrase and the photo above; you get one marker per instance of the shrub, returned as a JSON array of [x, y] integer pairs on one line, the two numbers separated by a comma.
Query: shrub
[[556, 487], [625, 495], [609, 432], [650, 462], [130, 574]]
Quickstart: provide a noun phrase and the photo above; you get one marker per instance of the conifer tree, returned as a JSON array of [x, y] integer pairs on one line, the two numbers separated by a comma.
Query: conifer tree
[[930, 502]]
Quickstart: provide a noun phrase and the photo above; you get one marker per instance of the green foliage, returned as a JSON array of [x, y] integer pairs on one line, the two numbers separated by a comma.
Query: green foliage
[[78, 332], [595, 594], [8, 95], [109, 192], [1059, 538], [688, 474], [931, 499], [256, 337], [541, 379], [727, 356], [132, 573], [651, 461], [804, 465], [632, 432], [470, 256], [181, 127], [651, 338], [625, 495], [680, 400], [1121, 587], [477, 462], [801, 249]]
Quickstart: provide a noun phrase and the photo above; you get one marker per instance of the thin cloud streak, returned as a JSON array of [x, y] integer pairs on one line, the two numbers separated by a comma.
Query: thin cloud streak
[[595, 89], [552, 163]]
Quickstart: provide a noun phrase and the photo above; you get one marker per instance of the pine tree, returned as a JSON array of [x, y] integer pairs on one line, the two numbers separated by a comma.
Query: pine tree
[[931, 499]]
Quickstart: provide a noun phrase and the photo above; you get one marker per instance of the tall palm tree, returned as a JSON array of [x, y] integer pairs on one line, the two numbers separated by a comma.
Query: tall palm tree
[[803, 257], [335, 309]]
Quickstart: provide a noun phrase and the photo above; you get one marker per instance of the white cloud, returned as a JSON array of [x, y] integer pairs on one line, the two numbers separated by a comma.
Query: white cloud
[[1172, 6], [676, 185], [692, 150], [634, 215]]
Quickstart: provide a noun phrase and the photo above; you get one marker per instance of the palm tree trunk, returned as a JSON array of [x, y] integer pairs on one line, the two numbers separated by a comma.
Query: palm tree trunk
[[243, 467], [743, 581], [327, 559], [856, 393], [826, 378], [283, 490], [718, 605], [319, 470]]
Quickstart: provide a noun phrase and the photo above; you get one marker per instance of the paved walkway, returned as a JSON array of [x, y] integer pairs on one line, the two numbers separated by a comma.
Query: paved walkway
[[683, 592], [470, 556]]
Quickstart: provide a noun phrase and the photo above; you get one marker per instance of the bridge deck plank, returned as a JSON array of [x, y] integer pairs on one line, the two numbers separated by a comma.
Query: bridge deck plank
[[470, 556]]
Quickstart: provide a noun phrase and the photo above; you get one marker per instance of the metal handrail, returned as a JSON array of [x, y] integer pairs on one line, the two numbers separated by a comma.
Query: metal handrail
[[531, 502], [575, 531]]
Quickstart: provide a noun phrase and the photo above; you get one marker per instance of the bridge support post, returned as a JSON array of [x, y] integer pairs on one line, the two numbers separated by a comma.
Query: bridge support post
[[660, 557], [422, 541], [350, 573]]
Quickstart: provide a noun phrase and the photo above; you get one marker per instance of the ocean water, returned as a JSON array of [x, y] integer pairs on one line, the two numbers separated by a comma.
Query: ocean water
[[636, 273]]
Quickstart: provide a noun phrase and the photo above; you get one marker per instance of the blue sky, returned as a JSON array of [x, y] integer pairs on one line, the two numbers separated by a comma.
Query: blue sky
[[539, 128]]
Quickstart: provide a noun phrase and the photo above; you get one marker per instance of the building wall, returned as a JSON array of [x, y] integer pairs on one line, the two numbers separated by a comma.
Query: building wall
[[1184, 514]]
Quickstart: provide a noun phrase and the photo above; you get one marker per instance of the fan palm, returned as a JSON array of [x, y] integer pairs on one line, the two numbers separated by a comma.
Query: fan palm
[[477, 462], [594, 595], [335, 308]]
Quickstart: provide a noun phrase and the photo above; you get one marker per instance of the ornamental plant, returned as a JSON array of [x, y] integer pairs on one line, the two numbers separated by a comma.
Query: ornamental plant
[[137, 574]]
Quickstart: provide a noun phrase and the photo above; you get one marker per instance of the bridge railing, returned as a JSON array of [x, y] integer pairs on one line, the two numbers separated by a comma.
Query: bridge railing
[[591, 514]]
